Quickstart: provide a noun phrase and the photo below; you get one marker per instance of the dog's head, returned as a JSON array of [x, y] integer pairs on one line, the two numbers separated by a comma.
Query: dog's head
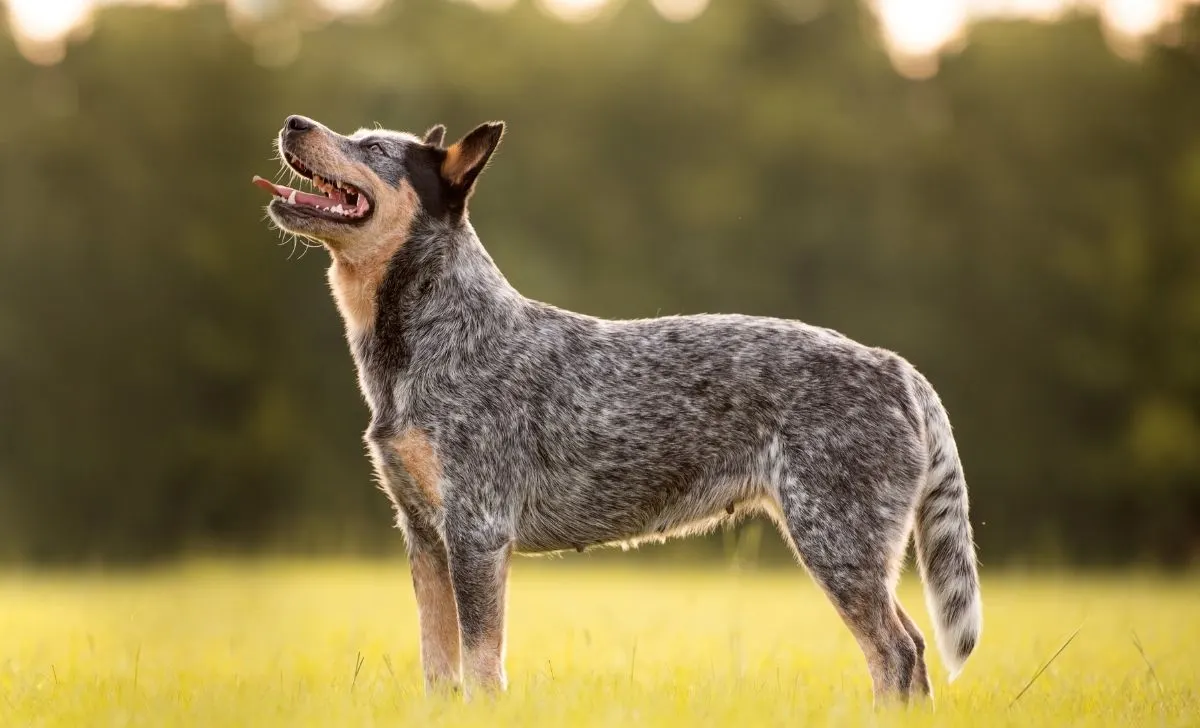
[[374, 185]]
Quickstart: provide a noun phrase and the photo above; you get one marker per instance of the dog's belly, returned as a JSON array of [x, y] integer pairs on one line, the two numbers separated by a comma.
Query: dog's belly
[[575, 523]]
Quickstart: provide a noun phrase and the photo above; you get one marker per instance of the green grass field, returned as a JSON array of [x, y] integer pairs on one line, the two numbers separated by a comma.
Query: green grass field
[[277, 644]]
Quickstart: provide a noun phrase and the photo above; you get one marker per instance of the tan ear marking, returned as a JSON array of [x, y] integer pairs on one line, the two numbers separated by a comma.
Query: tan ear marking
[[466, 158], [457, 164]]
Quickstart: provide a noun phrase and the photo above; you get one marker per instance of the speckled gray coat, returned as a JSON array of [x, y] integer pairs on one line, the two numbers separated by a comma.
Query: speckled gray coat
[[504, 424]]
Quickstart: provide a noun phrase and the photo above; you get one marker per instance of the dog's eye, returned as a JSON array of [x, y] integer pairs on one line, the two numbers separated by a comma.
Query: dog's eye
[[377, 148]]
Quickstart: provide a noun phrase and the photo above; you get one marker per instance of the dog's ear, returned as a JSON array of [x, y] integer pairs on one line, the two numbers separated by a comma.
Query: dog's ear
[[435, 136], [467, 157]]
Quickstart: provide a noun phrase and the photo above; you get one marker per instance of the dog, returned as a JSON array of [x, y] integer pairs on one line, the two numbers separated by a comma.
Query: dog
[[503, 425]]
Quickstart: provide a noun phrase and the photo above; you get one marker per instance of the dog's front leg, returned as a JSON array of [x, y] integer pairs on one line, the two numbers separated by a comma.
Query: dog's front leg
[[436, 610], [479, 571]]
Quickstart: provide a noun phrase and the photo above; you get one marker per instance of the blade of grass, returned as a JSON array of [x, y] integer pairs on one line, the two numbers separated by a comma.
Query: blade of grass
[[358, 664], [1145, 658], [1042, 669], [387, 662]]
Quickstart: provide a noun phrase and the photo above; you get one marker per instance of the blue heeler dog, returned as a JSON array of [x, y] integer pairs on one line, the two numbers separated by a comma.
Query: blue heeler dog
[[501, 424]]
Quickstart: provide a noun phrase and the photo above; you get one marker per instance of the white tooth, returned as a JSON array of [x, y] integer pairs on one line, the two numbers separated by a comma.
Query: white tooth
[[292, 198]]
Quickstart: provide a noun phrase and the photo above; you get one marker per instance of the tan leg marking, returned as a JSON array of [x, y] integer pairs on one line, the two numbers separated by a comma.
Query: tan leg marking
[[483, 664], [418, 457], [438, 618]]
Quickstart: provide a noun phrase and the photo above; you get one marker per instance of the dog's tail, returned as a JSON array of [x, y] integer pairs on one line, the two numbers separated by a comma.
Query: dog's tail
[[945, 545]]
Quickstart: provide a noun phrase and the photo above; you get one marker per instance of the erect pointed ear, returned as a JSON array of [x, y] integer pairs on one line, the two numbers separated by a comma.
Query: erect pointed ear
[[435, 136], [467, 157]]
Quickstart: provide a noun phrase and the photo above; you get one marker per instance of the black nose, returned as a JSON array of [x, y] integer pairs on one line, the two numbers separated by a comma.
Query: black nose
[[298, 123]]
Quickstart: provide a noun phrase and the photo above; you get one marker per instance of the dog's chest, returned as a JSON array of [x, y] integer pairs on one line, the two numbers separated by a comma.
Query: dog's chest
[[406, 455], [411, 472], [418, 457]]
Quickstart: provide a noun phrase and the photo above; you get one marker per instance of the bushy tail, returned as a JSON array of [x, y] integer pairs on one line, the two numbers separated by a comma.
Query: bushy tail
[[945, 545]]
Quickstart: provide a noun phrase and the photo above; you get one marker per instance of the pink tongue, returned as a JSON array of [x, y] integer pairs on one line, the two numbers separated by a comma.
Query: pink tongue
[[302, 198]]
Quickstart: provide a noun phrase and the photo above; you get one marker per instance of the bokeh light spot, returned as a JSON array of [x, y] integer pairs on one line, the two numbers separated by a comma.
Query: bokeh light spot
[[680, 11], [574, 11]]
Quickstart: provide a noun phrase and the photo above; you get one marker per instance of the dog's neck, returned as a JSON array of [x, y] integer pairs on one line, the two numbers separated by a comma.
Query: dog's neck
[[355, 280], [438, 300]]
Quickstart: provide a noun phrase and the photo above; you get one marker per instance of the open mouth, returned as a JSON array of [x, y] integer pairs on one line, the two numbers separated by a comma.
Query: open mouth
[[340, 201]]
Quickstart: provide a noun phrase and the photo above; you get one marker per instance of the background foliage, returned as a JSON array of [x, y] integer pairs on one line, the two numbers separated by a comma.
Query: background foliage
[[1024, 227]]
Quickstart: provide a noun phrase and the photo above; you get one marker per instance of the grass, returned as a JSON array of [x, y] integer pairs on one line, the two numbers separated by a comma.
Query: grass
[[334, 644]]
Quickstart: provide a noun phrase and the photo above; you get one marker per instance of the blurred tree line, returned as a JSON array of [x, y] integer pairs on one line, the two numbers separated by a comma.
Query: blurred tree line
[[1024, 227]]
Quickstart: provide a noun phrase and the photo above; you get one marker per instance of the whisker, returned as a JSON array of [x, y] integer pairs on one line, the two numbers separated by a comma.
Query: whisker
[[278, 158]]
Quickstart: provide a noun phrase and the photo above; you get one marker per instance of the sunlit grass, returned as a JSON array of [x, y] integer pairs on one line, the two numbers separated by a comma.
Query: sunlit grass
[[277, 644]]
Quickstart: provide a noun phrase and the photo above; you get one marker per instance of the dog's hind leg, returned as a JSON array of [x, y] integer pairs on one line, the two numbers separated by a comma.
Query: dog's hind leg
[[479, 572], [852, 547], [921, 682]]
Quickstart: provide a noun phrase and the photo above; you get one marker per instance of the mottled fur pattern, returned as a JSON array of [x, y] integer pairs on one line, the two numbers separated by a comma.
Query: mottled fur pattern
[[502, 424]]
